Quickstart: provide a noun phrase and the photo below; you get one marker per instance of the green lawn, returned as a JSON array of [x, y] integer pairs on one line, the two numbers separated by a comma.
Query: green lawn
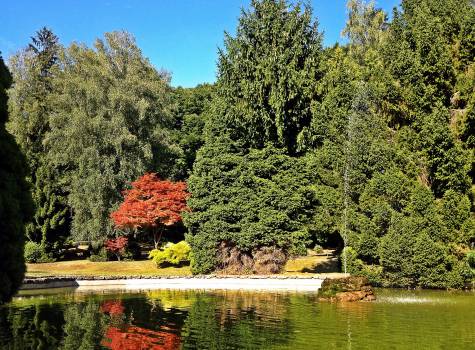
[[109, 268], [308, 265]]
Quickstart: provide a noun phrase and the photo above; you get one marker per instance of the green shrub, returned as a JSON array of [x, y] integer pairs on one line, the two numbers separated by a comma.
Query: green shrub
[[45, 258], [459, 275], [101, 256], [33, 252], [373, 274], [173, 254], [357, 267], [429, 262], [96, 246], [350, 257], [318, 249], [396, 251], [471, 258]]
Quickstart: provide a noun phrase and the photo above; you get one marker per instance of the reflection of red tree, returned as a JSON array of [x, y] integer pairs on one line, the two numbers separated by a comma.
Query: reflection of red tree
[[112, 307], [137, 338], [130, 337]]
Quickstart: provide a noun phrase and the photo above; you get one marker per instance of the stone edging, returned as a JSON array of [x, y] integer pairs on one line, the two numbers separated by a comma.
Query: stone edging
[[249, 282]]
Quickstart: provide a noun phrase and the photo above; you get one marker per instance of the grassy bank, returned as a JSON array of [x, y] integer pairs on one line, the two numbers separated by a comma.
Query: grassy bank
[[310, 265]]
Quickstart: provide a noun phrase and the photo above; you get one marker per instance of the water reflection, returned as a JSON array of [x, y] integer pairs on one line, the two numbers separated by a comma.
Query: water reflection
[[83, 326], [235, 320], [122, 334]]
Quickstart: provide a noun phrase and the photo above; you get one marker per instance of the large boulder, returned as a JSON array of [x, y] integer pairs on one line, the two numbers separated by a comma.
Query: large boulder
[[346, 289]]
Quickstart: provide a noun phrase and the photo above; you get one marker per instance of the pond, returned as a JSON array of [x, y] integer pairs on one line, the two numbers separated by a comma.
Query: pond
[[168, 319]]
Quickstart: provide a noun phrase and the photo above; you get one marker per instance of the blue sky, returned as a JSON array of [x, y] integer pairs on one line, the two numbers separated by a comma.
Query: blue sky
[[181, 36]]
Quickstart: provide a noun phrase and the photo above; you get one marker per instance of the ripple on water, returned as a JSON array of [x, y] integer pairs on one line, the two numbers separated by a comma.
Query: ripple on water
[[413, 300]]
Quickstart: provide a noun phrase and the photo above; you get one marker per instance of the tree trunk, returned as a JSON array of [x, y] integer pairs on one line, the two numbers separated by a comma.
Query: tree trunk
[[157, 236]]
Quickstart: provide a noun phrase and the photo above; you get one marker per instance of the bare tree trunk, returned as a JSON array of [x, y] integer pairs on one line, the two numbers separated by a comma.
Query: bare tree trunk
[[157, 236]]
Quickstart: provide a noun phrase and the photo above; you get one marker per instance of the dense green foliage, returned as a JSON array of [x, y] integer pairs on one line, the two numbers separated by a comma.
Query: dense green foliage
[[368, 145], [370, 142], [411, 218], [15, 201], [266, 76], [250, 200], [33, 70], [191, 109], [111, 109], [248, 187], [33, 252]]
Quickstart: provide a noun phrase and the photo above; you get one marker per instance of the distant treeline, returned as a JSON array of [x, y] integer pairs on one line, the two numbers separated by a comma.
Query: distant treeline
[[368, 144]]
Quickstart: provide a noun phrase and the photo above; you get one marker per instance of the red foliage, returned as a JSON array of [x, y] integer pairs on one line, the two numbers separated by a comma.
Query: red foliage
[[138, 338], [116, 246], [151, 203], [129, 337], [112, 307]]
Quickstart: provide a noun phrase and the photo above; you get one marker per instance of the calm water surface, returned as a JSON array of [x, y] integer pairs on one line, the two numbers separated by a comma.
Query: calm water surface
[[68, 319]]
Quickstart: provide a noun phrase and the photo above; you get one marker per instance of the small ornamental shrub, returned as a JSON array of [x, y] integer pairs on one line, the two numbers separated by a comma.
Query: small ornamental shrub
[[116, 246], [33, 252], [459, 275], [152, 204], [172, 254], [357, 267], [354, 265]]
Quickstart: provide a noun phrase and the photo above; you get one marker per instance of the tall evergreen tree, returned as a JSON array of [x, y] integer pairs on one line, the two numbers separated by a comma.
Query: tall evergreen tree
[[398, 222], [248, 188], [15, 201], [30, 110], [267, 74], [191, 110]]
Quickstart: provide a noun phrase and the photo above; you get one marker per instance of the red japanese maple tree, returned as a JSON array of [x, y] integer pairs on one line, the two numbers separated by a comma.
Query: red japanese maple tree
[[152, 204], [116, 246]]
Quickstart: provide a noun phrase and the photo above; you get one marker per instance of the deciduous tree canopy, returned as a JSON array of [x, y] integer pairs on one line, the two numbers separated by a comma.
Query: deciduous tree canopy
[[151, 203]]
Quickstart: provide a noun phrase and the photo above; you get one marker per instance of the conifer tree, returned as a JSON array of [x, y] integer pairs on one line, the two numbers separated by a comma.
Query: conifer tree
[[399, 229], [267, 74], [15, 201], [249, 189], [30, 111]]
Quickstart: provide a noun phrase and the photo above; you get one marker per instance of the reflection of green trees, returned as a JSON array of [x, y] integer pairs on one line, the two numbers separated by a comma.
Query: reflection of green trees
[[36, 327], [84, 326], [237, 320]]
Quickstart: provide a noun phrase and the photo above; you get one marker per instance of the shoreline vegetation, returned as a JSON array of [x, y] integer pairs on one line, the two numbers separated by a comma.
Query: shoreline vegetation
[[366, 148]]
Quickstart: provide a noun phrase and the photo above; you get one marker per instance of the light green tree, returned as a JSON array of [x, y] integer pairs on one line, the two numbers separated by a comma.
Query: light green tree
[[109, 124]]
